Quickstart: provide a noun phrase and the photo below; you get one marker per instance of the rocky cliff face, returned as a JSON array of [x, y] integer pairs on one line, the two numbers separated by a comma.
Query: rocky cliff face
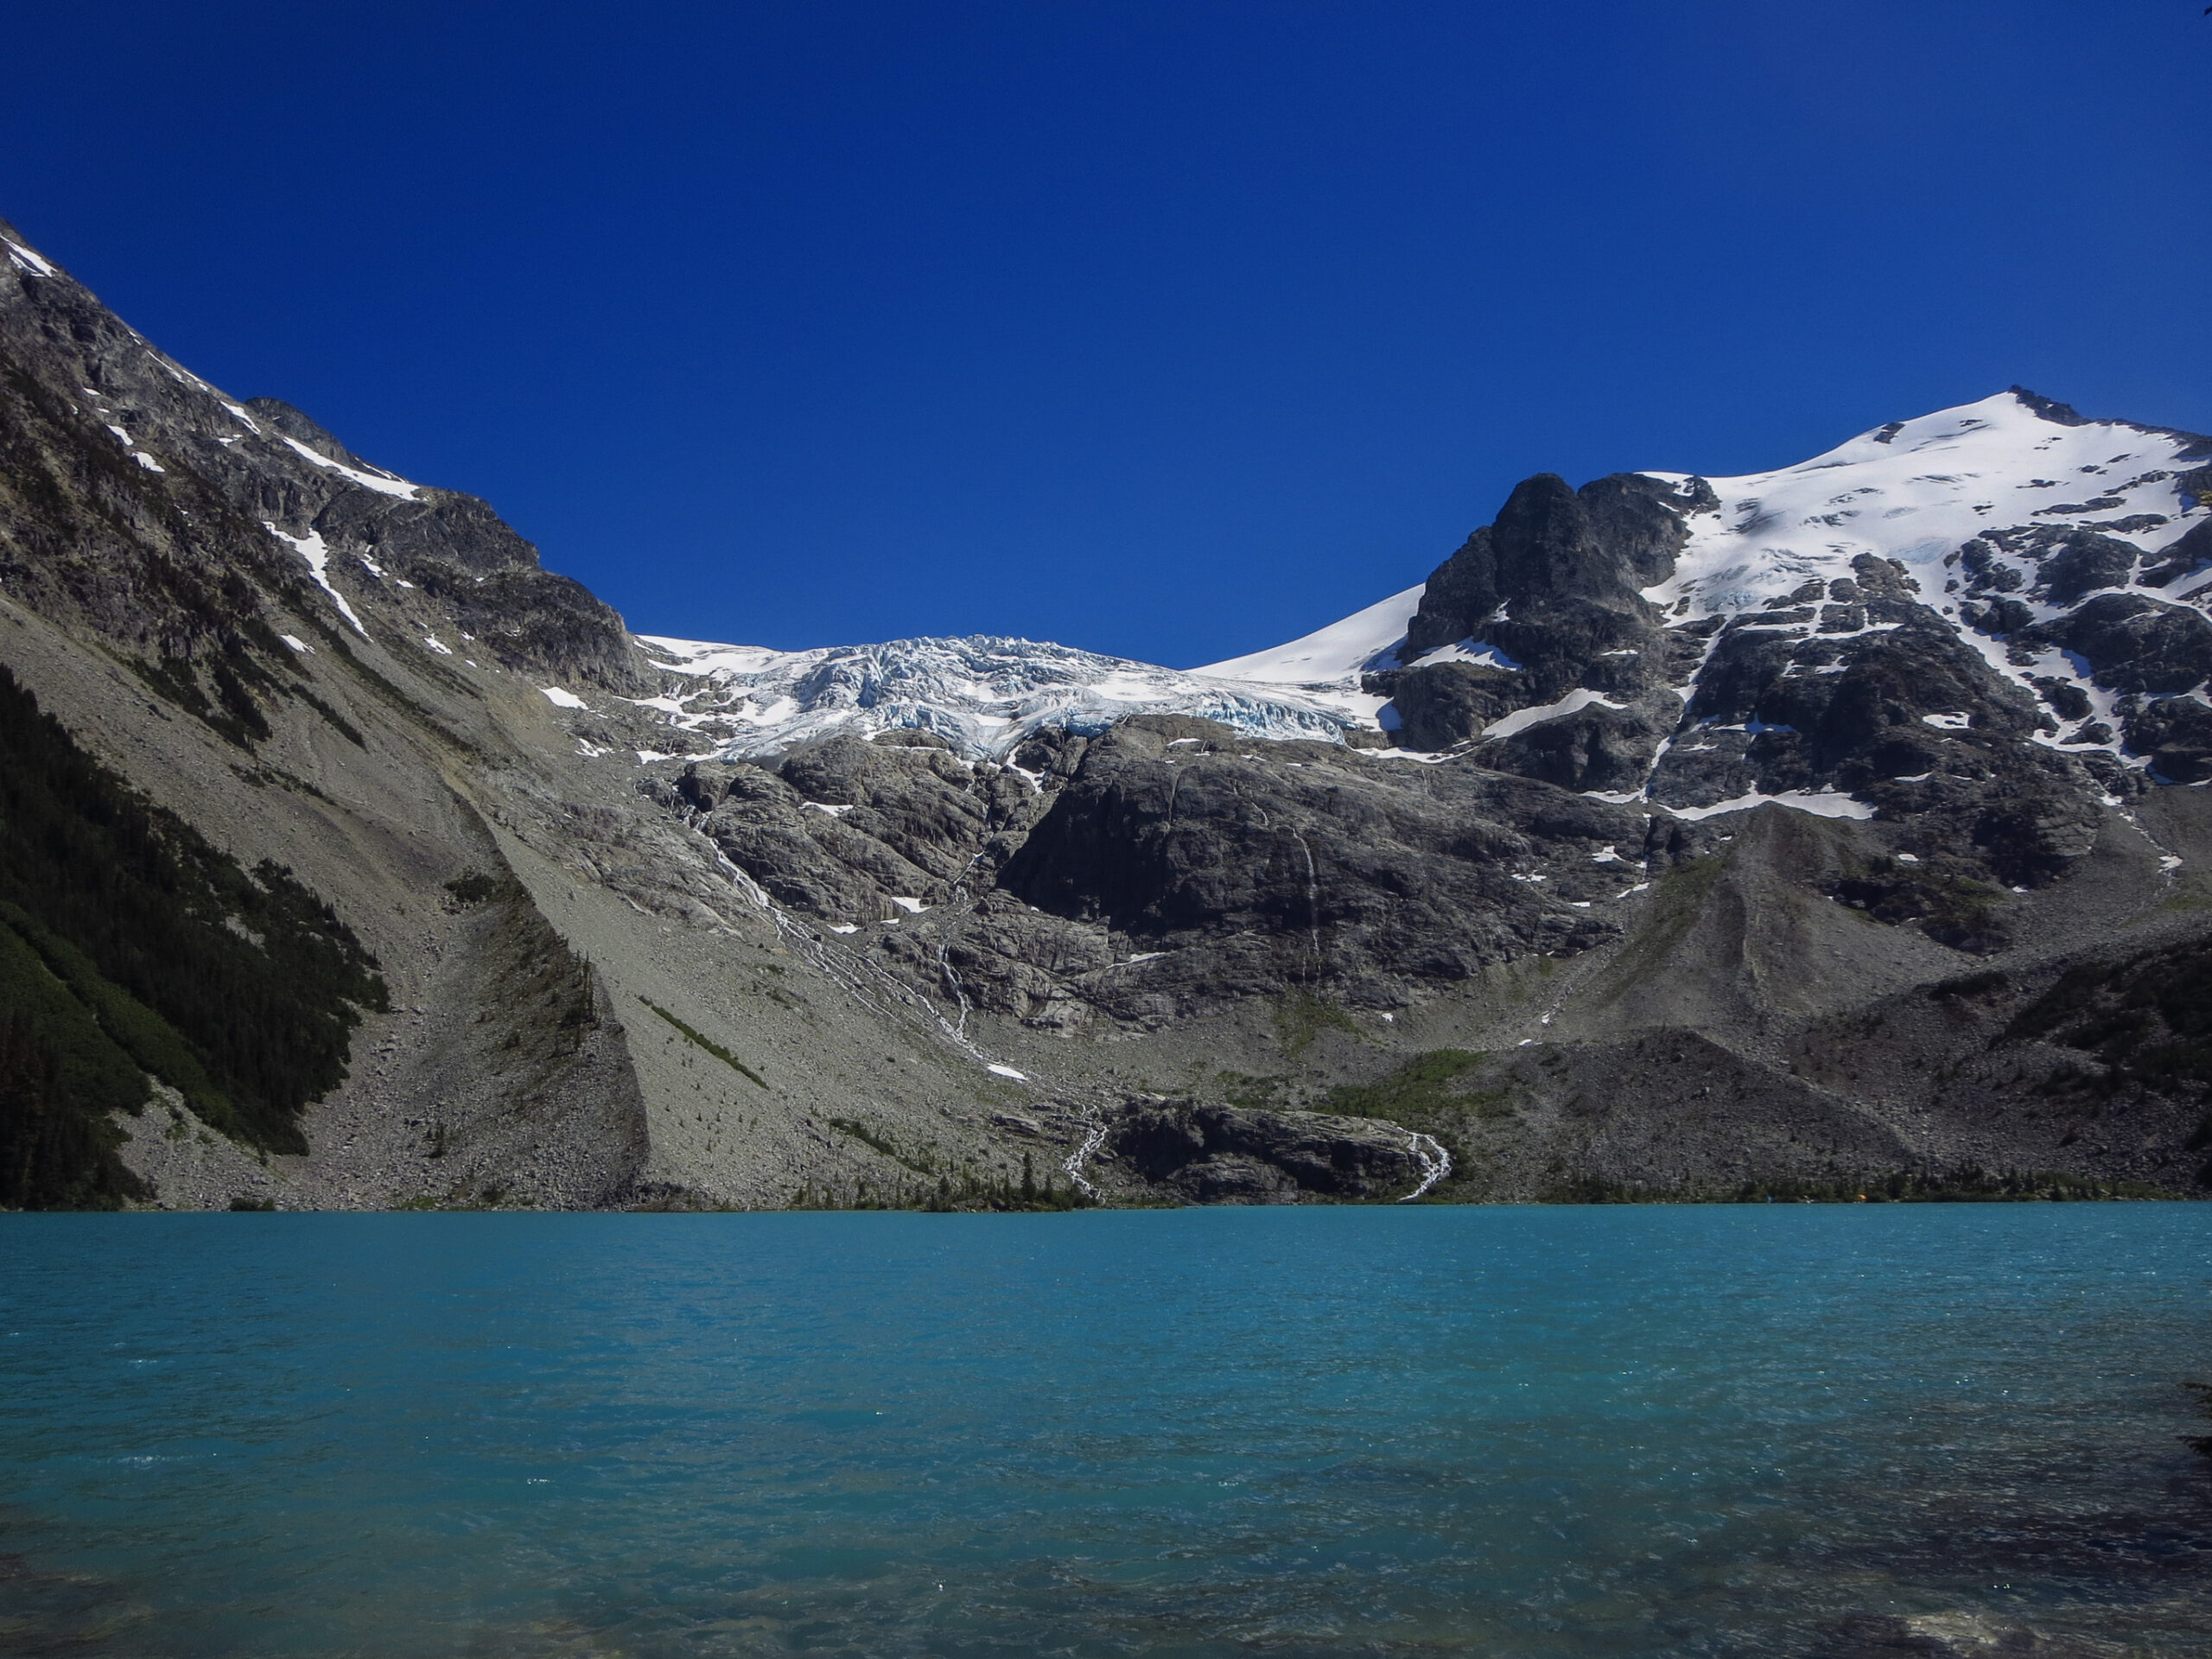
[[1678, 836]]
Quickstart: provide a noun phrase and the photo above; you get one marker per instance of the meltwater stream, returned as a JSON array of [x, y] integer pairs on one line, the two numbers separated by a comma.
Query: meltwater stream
[[1766, 1430]]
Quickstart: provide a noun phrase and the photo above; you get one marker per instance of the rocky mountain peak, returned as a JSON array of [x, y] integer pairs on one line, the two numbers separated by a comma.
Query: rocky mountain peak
[[223, 488], [286, 422]]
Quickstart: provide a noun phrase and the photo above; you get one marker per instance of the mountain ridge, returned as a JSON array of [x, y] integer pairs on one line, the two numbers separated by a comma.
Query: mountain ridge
[[1436, 625], [1734, 835]]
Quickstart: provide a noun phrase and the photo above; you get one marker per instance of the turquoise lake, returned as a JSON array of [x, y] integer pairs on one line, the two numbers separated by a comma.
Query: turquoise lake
[[1755, 1430]]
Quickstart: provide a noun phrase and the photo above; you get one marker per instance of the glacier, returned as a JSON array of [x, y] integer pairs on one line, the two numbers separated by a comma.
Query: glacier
[[983, 694], [1913, 491]]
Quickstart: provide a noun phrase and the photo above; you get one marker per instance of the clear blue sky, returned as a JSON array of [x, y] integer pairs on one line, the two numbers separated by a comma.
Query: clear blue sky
[[1167, 327]]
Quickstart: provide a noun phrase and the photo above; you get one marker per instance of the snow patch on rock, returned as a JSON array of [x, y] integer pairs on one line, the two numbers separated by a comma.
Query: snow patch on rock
[[310, 547], [384, 483]]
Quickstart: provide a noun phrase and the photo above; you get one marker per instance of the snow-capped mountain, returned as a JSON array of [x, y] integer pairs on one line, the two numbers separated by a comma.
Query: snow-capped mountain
[[2010, 517], [2058, 551], [936, 905], [1917, 490]]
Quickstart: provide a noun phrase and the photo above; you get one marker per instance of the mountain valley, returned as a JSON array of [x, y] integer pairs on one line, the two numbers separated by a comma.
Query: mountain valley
[[1840, 829]]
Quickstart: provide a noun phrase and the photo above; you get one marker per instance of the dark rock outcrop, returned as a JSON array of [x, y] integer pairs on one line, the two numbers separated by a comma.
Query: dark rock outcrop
[[1209, 1153], [1551, 595], [1346, 867]]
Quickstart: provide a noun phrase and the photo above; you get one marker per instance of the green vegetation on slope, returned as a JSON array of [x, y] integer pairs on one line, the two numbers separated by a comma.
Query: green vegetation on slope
[[129, 945], [968, 1191], [61, 1078], [1430, 1094], [698, 1040], [1416, 1092], [1300, 1017]]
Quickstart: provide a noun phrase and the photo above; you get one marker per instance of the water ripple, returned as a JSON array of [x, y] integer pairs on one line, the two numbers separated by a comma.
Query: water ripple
[[1616, 1431]]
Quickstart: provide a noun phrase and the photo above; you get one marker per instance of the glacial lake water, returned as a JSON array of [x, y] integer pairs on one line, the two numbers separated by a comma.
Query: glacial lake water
[[1421, 1431]]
